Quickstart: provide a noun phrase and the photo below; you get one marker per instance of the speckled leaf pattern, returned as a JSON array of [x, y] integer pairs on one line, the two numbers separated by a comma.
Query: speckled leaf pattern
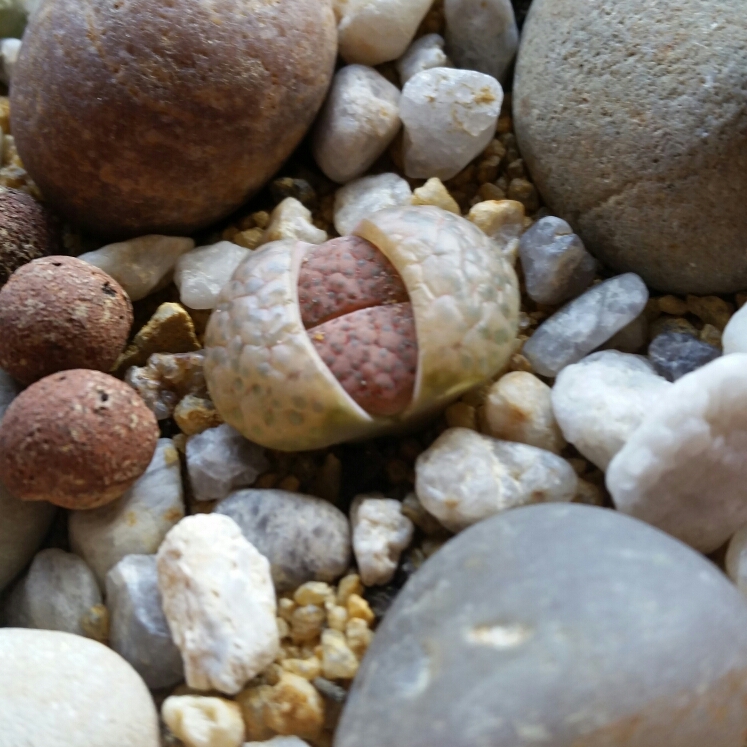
[[269, 383]]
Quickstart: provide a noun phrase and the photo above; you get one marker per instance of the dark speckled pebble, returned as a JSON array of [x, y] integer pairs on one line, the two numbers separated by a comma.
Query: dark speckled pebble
[[304, 538], [674, 354]]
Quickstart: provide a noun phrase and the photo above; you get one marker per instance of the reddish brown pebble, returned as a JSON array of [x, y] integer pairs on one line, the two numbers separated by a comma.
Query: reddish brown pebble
[[27, 231], [60, 313], [373, 353], [77, 439], [344, 275]]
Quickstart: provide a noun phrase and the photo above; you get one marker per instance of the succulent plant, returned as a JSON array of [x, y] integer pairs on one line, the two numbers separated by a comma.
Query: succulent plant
[[266, 368]]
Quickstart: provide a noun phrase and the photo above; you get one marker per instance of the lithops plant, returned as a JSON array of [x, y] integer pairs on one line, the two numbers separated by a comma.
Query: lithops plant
[[313, 345]]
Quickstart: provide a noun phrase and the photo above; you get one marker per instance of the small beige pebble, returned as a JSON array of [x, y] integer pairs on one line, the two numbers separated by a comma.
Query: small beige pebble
[[291, 220], [433, 192], [306, 623], [203, 721], [672, 305], [358, 607], [711, 335], [503, 221], [337, 617], [710, 309], [348, 586], [309, 669], [338, 661], [519, 408], [312, 592], [358, 635], [461, 415]]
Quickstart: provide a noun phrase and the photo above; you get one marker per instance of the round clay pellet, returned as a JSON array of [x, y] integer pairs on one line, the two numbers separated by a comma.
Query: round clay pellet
[[78, 439], [59, 313]]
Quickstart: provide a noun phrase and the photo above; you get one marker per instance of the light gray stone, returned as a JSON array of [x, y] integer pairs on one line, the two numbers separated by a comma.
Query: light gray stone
[[220, 460], [9, 51], [736, 559], [362, 197], [359, 120], [734, 338], [481, 35], [138, 630], [465, 477], [304, 538], [449, 116], [556, 264], [683, 469], [69, 691], [423, 54], [628, 115], [585, 323], [599, 401], [136, 523], [22, 528], [56, 593], [560, 625]]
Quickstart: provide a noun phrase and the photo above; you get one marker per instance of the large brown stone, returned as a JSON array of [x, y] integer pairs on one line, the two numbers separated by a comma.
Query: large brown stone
[[138, 117], [632, 118]]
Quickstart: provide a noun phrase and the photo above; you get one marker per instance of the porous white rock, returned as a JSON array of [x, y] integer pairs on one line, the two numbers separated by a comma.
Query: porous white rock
[[585, 323], [464, 477], [219, 601], [734, 337], [63, 690], [137, 522], [22, 528], [519, 408], [138, 630], [219, 460], [555, 262], [376, 31], [292, 220], [201, 721], [9, 51], [683, 469], [481, 35], [201, 273], [449, 116], [9, 390], [423, 54], [599, 401], [359, 120], [140, 265], [736, 559], [55, 594], [380, 533], [363, 197]]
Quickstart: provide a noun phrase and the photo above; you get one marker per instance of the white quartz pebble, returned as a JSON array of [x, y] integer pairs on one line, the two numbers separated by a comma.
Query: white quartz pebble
[[734, 337], [450, 116], [736, 559], [138, 630], [201, 273], [63, 690], [380, 533], [219, 601], [204, 722], [585, 323], [602, 399], [519, 408], [137, 522], [140, 265], [56, 593], [220, 460], [291, 219], [9, 51], [481, 35], [363, 197], [684, 468], [465, 477], [359, 120], [423, 54], [376, 31]]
